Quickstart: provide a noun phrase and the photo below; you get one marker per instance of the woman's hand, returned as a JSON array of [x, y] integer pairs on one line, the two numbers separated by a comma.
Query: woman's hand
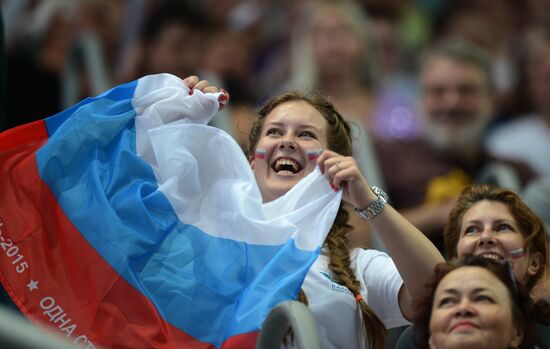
[[194, 83], [343, 172]]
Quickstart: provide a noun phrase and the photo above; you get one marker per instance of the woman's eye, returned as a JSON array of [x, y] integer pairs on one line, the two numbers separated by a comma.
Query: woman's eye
[[274, 131], [446, 301], [307, 134], [504, 227], [484, 298], [471, 229]]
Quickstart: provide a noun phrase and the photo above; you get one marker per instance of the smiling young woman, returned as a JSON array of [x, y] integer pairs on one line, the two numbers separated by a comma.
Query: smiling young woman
[[294, 133]]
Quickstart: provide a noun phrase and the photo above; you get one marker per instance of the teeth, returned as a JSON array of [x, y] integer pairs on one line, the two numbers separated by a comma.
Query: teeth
[[287, 162], [492, 256]]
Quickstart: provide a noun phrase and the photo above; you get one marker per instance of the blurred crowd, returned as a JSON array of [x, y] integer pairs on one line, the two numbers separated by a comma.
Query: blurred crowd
[[379, 61]]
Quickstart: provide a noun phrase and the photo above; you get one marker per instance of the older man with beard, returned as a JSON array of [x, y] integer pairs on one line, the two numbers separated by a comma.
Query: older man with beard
[[424, 176]]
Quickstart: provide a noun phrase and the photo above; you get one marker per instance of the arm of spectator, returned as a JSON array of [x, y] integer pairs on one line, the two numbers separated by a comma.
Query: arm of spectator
[[414, 255], [431, 218]]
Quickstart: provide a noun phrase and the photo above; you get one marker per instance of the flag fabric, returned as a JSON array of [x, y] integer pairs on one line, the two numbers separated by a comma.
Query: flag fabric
[[127, 222]]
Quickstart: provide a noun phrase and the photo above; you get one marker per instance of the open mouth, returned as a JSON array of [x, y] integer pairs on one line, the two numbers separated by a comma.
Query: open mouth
[[286, 166], [491, 255]]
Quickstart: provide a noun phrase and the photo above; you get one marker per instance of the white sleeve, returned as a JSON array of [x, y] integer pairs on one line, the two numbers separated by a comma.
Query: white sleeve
[[381, 283]]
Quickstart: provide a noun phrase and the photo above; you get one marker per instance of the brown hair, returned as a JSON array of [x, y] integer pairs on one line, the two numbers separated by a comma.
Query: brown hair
[[336, 243], [531, 226], [522, 305]]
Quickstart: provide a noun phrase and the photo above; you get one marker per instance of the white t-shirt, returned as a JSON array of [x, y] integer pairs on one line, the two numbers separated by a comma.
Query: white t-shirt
[[526, 139], [335, 308]]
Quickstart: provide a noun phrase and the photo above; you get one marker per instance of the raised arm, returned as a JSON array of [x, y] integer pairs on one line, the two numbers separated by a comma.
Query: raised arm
[[412, 252]]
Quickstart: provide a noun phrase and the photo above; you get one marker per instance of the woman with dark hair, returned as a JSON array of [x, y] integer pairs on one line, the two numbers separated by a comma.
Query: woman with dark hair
[[354, 294], [475, 303]]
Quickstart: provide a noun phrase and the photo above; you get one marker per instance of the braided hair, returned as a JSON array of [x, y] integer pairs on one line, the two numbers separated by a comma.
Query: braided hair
[[336, 243]]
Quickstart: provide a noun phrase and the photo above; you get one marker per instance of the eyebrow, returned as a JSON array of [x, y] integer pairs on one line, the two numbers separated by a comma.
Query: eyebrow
[[302, 127], [498, 221], [455, 292]]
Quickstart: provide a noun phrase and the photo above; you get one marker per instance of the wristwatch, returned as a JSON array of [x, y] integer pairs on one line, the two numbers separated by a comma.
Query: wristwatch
[[375, 207]]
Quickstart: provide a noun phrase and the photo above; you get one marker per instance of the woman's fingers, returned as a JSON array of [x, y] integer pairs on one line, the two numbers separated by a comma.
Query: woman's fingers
[[191, 81], [343, 170], [202, 85], [337, 168], [343, 173], [210, 89], [194, 83]]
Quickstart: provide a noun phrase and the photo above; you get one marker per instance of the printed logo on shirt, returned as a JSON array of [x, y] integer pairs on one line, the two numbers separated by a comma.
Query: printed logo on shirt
[[337, 287]]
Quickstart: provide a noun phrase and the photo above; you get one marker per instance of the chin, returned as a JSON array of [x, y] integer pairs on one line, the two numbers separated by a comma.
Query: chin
[[462, 342]]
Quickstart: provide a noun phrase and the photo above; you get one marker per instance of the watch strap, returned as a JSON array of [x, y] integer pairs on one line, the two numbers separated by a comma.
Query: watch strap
[[375, 207]]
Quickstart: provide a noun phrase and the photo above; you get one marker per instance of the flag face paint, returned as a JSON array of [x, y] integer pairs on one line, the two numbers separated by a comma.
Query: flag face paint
[[113, 231], [314, 154], [516, 253], [260, 154]]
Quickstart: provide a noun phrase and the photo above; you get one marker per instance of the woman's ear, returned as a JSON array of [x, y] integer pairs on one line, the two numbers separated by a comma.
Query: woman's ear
[[535, 261], [431, 343], [251, 161], [517, 338]]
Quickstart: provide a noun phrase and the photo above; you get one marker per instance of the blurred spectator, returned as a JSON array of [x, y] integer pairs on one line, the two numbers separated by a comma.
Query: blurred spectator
[[537, 197], [396, 93], [330, 53], [528, 136], [227, 61], [493, 26], [537, 10], [171, 41], [35, 61], [424, 176], [43, 51], [411, 19], [232, 45]]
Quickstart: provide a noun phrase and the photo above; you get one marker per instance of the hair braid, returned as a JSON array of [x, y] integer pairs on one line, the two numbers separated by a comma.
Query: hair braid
[[338, 140], [339, 264]]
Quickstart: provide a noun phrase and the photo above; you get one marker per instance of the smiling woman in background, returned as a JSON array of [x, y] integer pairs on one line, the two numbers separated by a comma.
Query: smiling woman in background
[[496, 223], [476, 303]]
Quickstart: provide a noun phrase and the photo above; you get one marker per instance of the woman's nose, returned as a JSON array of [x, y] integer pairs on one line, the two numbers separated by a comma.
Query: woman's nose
[[464, 309], [487, 238], [287, 142]]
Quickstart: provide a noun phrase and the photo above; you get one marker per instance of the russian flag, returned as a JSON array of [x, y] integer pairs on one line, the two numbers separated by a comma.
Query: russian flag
[[127, 222]]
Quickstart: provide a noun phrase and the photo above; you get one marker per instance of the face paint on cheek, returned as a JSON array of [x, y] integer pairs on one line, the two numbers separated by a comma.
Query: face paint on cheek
[[314, 154], [516, 253], [260, 154]]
